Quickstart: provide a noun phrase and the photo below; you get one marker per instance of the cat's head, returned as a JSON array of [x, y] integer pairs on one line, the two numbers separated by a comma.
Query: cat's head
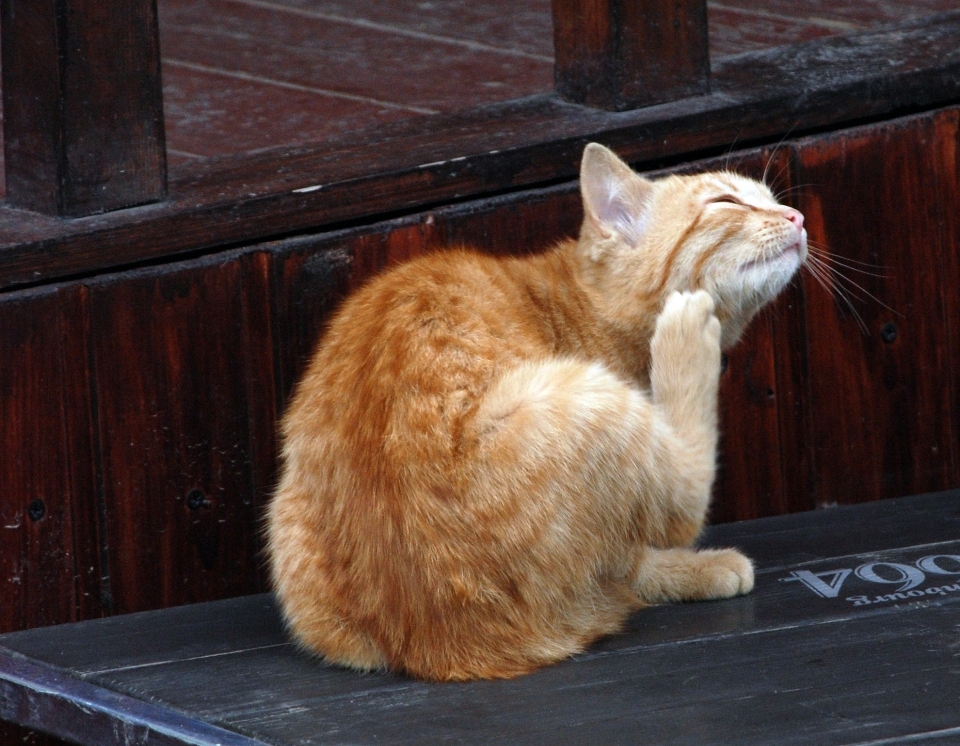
[[719, 231]]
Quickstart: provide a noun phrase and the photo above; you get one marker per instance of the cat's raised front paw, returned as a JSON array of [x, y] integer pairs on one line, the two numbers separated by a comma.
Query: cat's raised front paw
[[685, 349]]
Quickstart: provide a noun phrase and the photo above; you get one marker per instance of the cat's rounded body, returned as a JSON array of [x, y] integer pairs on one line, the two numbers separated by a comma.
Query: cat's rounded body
[[491, 462]]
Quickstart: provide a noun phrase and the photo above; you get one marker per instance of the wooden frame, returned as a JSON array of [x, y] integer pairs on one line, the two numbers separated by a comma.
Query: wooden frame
[[624, 54], [82, 105], [518, 144]]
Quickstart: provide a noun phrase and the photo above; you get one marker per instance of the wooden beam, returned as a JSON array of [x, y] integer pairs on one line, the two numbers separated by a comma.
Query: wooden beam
[[408, 165], [624, 54], [82, 105]]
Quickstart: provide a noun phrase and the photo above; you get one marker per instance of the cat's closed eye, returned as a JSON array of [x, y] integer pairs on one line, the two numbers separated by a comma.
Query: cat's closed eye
[[728, 199]]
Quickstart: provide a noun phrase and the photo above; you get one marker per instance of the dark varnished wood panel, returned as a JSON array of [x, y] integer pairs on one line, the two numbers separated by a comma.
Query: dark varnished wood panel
[[737, 30], [405, 165], [50, 564], [517, 224], [880, 396], [183, 373], [947, 174]]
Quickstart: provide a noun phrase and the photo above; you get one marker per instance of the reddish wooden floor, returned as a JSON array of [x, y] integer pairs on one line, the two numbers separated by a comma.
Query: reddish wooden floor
[[241, 75]]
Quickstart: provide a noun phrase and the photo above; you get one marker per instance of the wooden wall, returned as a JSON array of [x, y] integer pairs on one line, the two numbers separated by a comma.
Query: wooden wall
[[138, 409]]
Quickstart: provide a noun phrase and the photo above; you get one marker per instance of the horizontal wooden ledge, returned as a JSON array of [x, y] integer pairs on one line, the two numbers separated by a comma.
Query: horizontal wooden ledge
[[513, 145]]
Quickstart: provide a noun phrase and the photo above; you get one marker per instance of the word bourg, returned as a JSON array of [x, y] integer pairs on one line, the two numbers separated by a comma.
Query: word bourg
[[943, 570]]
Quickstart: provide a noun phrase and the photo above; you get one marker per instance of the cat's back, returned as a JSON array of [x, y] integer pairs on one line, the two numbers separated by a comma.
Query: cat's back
[[409, 352]]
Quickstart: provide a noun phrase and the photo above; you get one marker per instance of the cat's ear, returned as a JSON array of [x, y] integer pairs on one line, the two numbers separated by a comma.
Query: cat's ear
[[615, 199]]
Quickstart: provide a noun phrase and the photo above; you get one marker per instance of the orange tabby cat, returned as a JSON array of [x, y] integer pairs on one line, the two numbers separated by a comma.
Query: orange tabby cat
[[492, 462]]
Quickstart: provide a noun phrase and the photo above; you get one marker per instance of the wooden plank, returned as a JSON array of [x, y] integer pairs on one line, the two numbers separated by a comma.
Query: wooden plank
[[50, 568], [204, 109], [813, 683], [947, 173], [82, 108], [624, 54], [407, 165], [499, 24], [846, 15], [786, 662], [736, 30], [48, 535], [417, 74], [82, 713], [515, 224], [186, 401], [880, 396]]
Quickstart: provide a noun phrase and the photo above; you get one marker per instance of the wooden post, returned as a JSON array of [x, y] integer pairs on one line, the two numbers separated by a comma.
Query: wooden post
[[82, 105], [624, 54]]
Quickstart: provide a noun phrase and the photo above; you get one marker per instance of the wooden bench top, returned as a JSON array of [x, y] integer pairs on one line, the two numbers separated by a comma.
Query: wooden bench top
[[852, 636]]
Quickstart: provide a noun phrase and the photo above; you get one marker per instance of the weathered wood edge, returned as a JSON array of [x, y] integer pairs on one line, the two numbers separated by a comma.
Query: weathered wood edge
[[39, 697], [518, 144]]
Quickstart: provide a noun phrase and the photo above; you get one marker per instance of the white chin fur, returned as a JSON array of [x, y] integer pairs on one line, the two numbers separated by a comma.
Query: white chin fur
[[768, 278]]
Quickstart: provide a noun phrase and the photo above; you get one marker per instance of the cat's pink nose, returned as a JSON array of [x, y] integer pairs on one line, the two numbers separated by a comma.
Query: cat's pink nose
[[794, 216]]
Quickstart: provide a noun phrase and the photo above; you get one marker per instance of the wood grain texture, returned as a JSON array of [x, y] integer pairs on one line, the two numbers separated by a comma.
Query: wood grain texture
[[407, 165], [947, 173], [843, 15], [83, 116], [320, 51], [880, 395], [48, 537], [182, 364], [624, 54], [210, 113], [41, 697], [783, 664]]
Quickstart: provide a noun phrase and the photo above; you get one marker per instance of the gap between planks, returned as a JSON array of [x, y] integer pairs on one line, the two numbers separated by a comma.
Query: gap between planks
[[153, 664]]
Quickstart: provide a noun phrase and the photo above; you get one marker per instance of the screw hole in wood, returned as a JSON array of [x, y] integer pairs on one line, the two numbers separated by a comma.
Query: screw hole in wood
[[196, 500], [36, 510]]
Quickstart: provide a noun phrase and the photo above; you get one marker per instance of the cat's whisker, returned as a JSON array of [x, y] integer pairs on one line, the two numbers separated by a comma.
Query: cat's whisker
[[795, 188], [838, 279], [824, 250], [773, 155], [829, 284], [829, 277], [824, 255]]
